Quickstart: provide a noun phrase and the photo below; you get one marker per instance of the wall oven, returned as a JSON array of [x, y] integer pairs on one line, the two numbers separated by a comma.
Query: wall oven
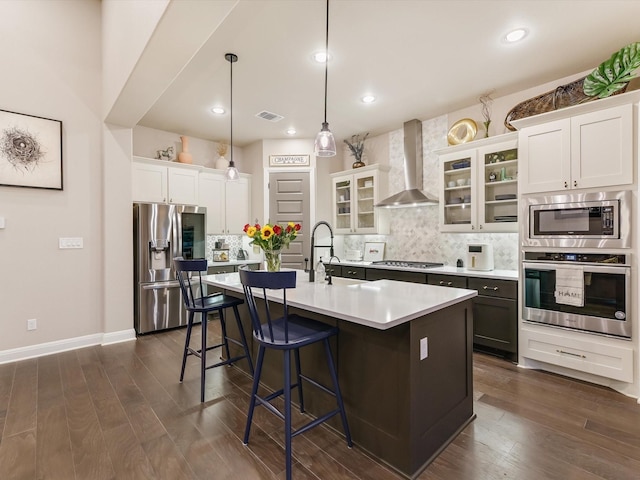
[[583, 291], [578, 220]]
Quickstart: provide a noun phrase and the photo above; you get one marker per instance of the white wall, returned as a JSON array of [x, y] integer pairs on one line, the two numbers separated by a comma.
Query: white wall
[[147, 141], [128, 26], [51, 57]]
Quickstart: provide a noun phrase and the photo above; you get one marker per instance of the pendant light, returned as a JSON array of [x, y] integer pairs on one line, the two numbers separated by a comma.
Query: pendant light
[[325, 144], [232, 171]]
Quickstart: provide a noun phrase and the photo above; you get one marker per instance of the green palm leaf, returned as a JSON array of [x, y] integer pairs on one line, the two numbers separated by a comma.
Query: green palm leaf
[[613, 74]]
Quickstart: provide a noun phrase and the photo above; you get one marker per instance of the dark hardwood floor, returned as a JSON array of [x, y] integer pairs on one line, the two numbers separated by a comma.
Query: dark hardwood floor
[[119, 412]]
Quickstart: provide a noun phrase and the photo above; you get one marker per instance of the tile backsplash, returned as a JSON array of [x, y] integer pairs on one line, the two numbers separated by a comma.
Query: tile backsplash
[[415, 232]]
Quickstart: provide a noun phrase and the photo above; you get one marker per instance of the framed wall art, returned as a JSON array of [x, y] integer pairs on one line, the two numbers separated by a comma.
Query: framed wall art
[[288, 160], [373, 251], [30, 151]]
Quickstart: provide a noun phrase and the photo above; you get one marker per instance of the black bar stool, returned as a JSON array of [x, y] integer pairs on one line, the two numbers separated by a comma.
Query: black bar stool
[[196, 302], [287, 333]]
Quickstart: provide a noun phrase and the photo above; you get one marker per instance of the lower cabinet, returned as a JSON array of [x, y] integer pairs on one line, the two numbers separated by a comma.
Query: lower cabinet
[[225, 268], [333, 269], [354, 272], [382, 274], [495, 312], [606, 357], [454, 281]]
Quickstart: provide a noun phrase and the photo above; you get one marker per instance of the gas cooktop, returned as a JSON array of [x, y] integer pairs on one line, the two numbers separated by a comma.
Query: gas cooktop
[[403, 264]]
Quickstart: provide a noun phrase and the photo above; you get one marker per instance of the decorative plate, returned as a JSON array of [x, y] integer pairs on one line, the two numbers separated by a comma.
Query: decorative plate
[[462, 131]]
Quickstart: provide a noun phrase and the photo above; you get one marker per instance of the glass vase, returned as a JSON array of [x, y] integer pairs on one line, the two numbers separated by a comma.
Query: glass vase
[[272, 260]]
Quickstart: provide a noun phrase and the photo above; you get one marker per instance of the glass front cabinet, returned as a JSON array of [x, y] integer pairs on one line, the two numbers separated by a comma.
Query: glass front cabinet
[[355, 192], [479, 186]]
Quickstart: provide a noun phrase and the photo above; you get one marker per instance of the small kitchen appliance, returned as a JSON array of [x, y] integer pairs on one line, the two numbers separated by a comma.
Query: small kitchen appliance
[[242, 255], [578, 220], [480, 256], [353, 255]]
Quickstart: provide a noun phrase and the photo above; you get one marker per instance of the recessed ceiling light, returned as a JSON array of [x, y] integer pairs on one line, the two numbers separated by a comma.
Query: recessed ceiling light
[[291, 131], [218, 110], [368, 99], [321, 57], [515, 35]]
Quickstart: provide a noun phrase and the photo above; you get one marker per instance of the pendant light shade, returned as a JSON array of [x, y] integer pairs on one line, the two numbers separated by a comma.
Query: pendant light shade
[[232, 171], [325, 144]]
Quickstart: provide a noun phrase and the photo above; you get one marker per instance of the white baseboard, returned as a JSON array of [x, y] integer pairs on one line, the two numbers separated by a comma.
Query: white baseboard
[[32, 351], [117, 337]]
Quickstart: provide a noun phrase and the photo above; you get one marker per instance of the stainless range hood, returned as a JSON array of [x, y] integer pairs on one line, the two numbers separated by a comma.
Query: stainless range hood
[[411, 196]]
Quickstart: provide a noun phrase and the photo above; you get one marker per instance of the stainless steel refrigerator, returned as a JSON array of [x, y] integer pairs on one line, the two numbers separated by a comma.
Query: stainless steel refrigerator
[[161, 233]]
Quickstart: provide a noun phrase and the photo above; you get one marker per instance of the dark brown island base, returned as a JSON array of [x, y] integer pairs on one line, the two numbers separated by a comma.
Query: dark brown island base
[[404, 359]]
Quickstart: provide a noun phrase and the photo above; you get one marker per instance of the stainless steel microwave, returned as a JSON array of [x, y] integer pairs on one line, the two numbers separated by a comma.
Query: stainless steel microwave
[[593, 220]]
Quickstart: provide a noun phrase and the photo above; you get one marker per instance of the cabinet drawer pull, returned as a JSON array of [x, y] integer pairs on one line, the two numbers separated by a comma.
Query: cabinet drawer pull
[[487, 287], [574, 354], [445, 284]]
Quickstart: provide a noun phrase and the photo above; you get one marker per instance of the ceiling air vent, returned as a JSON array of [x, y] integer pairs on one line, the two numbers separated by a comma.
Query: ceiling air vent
[[272, 117]]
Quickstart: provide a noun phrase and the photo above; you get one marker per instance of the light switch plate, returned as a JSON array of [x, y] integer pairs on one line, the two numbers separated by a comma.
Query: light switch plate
[[424, 348], [1, 222], [70, 242]]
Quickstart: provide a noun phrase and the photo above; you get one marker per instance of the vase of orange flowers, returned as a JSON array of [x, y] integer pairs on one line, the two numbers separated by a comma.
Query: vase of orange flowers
[[272, 239]]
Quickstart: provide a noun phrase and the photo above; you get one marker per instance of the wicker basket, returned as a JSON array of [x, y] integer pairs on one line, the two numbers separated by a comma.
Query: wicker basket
[[562, 97]]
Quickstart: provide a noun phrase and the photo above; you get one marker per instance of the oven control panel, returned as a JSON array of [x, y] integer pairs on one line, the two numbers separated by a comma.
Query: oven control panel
[[606, 258]]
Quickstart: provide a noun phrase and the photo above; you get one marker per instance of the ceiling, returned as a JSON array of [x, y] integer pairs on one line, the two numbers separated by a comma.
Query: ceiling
[[420, 58]]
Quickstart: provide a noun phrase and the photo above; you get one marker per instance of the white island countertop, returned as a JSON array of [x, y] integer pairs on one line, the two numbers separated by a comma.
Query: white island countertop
[[381, 304]]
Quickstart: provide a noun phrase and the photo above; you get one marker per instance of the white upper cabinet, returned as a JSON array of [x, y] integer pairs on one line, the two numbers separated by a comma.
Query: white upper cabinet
[[183, 186], [148, 183], [153, 182], [585, 146], [355, 192], [479, 187], [227, 202]]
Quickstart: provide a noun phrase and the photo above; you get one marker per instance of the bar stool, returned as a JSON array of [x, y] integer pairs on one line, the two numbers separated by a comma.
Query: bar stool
[[195, 302], [287, 333]]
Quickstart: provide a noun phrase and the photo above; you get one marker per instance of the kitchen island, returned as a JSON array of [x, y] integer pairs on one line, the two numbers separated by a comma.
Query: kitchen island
[[404, 359]]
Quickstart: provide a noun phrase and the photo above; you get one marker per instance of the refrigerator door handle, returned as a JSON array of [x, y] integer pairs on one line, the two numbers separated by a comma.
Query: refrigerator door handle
[[158, 285]]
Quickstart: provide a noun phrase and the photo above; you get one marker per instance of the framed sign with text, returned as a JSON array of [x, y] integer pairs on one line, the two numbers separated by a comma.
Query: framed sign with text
[[288, 160]]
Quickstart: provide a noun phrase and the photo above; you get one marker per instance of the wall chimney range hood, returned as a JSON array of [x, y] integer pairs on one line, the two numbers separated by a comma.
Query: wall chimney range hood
[[411, 196]]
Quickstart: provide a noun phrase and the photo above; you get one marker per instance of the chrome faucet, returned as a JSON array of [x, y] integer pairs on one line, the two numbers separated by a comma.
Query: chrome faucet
[[312, 271]]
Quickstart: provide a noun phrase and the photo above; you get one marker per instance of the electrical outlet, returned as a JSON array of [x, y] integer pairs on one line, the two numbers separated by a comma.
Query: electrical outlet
[[32, 324], [424, 348], [70, 242]]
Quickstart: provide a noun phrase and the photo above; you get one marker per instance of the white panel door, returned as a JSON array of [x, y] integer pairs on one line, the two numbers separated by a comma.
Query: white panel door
[[602, 148], [183, 186], [211, 192], [544, 153], [237, 205], [148, 183]]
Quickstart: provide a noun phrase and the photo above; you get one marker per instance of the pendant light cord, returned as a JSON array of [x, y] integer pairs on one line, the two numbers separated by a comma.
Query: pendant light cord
[[231, 110], [231, 58], [326, 63]]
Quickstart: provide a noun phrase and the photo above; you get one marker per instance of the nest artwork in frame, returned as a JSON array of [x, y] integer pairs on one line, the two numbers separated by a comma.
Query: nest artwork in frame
[[30, 151]]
